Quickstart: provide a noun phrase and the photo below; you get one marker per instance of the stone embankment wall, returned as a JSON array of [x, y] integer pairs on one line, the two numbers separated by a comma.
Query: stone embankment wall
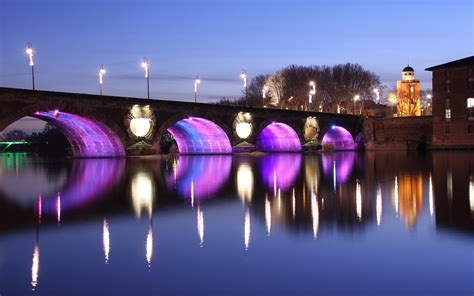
[[398, 133]]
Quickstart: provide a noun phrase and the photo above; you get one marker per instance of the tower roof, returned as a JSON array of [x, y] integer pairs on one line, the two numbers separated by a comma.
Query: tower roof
[[408, 69]]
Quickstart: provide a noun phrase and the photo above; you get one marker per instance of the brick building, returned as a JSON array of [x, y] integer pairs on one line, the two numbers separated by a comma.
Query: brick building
[[453, 104], [408, 94]]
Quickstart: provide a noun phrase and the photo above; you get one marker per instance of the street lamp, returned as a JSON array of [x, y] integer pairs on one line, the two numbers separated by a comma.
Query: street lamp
[[29, 52], [243, 76], [356, 98], [146, 67], [312, 91], [393, 100], [377, 94], [197, 81], [264, 94], [101, 75]]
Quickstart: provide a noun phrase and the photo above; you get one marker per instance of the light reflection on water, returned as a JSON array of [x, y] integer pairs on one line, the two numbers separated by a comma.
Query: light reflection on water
[[375, 208]]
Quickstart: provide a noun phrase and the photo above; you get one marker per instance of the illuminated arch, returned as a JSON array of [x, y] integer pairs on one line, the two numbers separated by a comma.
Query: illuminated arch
[[338, 138], [195, 135], [278, 137], [88, 138]]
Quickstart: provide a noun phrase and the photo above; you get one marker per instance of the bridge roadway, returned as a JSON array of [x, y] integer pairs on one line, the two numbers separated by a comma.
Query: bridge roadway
[[111, 126]]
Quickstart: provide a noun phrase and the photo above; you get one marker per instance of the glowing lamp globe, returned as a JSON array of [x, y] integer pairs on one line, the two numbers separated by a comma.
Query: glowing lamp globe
[[140, 126], [243, 129]]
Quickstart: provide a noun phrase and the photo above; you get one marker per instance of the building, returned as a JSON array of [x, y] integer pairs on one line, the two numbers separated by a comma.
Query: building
[[408, 94], [453, 104]]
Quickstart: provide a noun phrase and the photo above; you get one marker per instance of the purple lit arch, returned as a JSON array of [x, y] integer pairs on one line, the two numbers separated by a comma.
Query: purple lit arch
[[88, 138], [339, 138], [196, 135], [278, 137]]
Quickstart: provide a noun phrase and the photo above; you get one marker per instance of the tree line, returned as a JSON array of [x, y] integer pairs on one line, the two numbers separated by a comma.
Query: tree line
[[289, 88]]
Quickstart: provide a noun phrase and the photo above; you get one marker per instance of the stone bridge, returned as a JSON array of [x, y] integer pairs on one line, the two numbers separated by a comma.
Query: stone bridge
[[109, 126]]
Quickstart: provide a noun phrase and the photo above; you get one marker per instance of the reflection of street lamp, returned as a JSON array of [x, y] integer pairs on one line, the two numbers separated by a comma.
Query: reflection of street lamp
[[146, 67], [243, 76], [356, 98], [101, 75], [29, 52], [377, 94], [264, 94], [197, 81]]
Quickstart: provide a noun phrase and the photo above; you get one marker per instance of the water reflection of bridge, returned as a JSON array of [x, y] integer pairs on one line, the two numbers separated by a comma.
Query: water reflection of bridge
[[303, 193]]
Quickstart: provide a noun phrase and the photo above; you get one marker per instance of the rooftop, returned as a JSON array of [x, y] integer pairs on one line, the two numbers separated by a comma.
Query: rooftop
[[454, 64]]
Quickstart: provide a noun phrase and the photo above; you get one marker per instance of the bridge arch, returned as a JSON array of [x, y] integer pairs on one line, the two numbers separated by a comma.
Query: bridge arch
[[278, 136], [96, 136], [337, 138], [88, 138], [196, 135]]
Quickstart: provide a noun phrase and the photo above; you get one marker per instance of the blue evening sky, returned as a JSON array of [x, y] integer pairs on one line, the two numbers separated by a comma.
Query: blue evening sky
[[218, 38]]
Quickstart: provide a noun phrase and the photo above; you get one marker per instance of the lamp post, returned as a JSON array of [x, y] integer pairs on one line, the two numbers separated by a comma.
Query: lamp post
[[29, 52], [146, 67], [428, 103], [312, 91], [393, 100], [377, 95], [101, 75], [197, 81], [356, 98], [264, 95], [243, 76]]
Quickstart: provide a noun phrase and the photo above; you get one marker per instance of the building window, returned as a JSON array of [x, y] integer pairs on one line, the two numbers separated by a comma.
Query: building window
[[470, 108], [447, 130], [448, 114], [446, 103], [412, 89], [447, 73], [448, 87], [470, 129]]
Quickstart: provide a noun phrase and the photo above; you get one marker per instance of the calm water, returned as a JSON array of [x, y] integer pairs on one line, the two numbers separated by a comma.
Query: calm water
[[290, 224]]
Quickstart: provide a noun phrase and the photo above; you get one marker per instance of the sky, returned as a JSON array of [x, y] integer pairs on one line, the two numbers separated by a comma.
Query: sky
[[216, 39]]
